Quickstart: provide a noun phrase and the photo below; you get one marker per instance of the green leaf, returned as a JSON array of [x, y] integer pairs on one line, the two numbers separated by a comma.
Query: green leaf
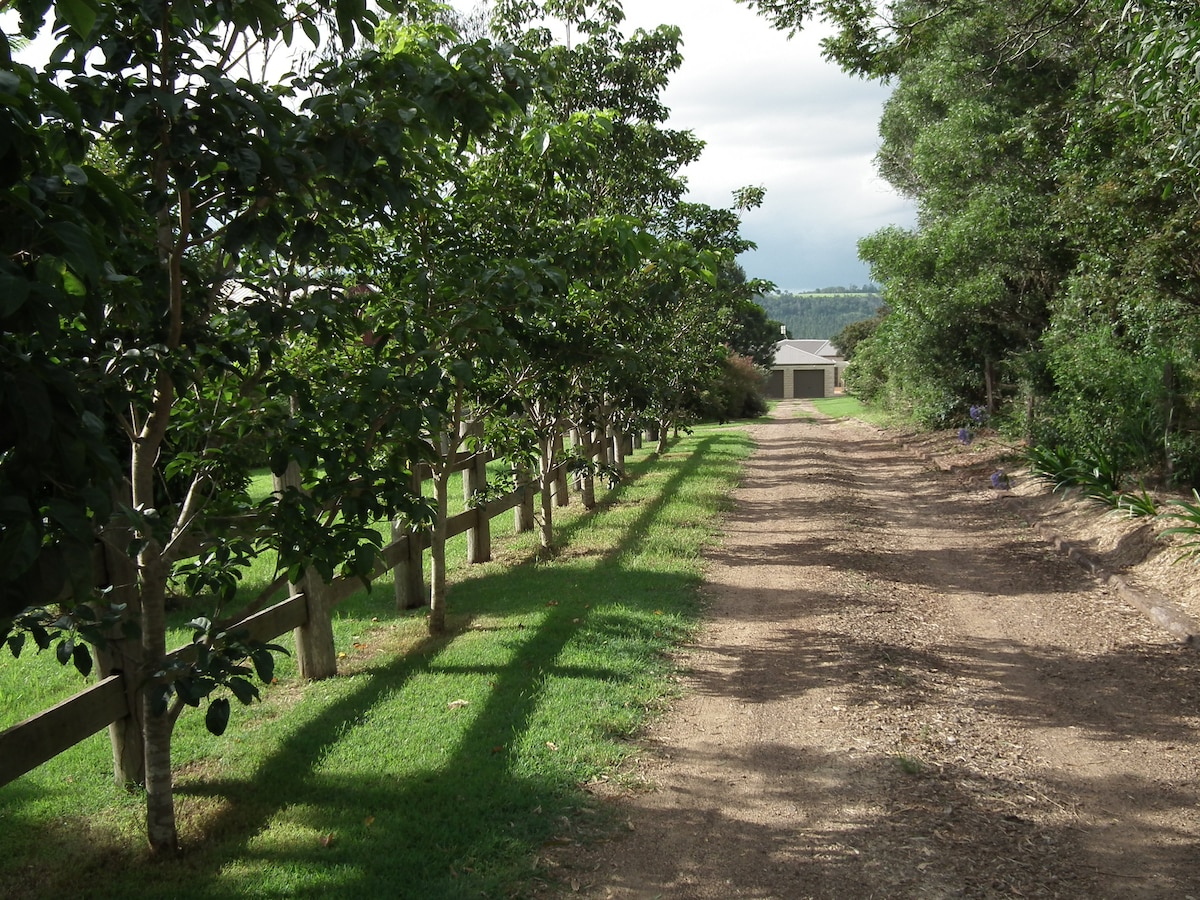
[[64, 650], [160, 698], [264, 665], [216, 717], [346, 14], [74, 175], [15, 643], [312, 31], [246, 692], [13, 293], [79, 14], [41, 637], [78, 250], [82, 659]]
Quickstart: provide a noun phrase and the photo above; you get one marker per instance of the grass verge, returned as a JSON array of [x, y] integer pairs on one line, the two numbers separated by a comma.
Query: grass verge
[[850, 407], [431, 769]]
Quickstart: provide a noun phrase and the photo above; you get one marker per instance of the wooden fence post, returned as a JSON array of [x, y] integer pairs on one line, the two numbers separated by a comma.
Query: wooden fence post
[[479, 538], [409, 573], [582, 438], [124, 656], [523, 511], [618, 449], [559, 487], [601, 445], [316, 656]]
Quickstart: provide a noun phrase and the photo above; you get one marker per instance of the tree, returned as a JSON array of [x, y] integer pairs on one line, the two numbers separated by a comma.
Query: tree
[[123, 305], [848, 339]]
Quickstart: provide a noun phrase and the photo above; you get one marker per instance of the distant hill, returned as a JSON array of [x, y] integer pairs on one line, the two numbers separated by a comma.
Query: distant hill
[[822, 314]]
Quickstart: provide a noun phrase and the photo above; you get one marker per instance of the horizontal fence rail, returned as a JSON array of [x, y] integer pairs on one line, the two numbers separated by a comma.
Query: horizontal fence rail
[[28, 744]]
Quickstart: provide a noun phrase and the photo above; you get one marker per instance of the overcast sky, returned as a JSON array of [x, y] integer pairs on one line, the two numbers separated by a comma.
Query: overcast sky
[[773, 113]]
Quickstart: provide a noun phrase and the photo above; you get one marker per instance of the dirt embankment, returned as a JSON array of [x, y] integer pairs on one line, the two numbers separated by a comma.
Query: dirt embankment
[[906, 691]]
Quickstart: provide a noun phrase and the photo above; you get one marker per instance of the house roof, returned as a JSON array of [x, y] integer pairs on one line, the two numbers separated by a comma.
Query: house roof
[[811, 345], [787, 354]]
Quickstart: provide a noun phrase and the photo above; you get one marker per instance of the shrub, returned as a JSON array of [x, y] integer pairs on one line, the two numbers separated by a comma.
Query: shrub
[[1190, 516]]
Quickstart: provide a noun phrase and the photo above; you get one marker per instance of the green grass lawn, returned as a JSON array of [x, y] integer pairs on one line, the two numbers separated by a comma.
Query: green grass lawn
[[426, 768], [850, 407]]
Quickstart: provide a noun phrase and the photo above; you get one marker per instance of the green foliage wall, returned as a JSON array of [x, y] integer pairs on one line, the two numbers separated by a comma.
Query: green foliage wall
[[1053, 151]]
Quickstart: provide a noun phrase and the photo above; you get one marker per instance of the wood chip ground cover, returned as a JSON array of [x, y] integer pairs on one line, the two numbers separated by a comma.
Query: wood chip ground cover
[[905, 691]]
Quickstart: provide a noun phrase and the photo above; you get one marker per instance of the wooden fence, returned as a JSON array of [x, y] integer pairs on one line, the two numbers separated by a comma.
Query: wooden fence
[[45, 735]]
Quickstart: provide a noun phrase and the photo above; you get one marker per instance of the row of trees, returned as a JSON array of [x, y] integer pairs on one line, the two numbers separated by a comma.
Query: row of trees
[[1054, 274], [211, 262]]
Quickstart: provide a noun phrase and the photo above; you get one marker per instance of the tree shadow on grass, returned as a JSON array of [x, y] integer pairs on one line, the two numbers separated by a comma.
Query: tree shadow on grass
[[331, 810]]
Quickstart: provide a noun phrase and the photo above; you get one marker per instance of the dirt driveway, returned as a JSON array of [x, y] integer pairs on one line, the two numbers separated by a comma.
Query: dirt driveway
[[904, 692]]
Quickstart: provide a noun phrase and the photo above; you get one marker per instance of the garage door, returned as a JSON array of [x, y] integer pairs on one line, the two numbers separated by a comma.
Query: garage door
[[809, 383], [775, 385]]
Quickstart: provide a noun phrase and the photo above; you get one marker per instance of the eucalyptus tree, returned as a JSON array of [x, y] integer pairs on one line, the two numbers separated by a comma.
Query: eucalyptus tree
[[973, 131], [121, 326]]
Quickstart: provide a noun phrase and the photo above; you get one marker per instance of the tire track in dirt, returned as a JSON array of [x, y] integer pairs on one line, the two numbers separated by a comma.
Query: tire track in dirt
[[903, 692]]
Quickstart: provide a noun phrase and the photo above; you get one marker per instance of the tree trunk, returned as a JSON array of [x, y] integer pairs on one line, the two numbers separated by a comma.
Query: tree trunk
[[437, 550], [600, 444], [1171, 389], [160, 794], [546, 487], [618, 445], [663, 428], [989, 383], [152, 606]]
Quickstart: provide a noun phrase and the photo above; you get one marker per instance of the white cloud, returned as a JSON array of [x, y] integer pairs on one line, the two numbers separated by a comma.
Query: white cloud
[[772, 112]]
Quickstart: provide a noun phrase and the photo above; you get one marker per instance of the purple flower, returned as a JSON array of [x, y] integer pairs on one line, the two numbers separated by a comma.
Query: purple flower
[[1000, 480], [977, 413], [964, 435]]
